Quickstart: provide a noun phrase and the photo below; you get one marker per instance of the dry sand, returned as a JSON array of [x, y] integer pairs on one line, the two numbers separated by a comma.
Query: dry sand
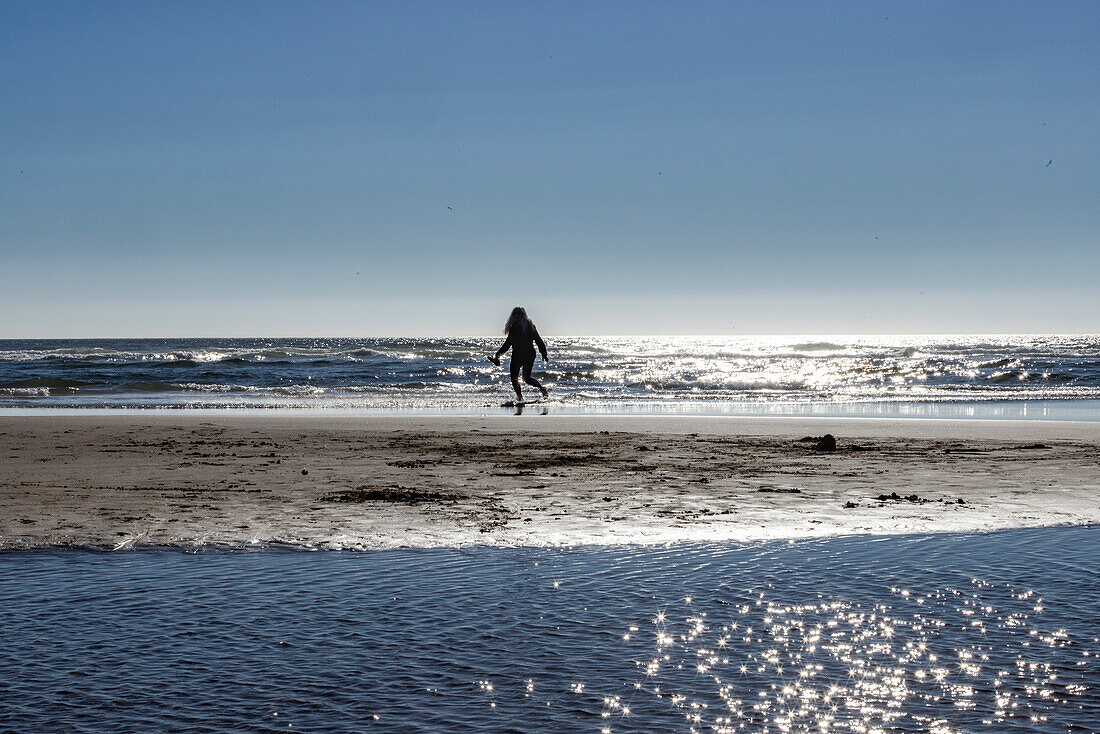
[[123, 481]]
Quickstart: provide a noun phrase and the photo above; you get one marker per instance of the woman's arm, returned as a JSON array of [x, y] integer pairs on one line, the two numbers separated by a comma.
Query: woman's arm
[[541, 344], [504, 347]]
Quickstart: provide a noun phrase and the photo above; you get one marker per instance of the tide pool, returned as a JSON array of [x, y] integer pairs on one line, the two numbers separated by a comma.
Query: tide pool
[[991, 632]]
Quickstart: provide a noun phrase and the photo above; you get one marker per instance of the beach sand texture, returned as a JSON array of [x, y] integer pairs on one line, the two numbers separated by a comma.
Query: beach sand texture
[[346, 482]]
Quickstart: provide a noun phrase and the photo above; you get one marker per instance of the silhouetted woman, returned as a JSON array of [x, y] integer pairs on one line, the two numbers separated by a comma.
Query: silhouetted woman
[[522, 338]]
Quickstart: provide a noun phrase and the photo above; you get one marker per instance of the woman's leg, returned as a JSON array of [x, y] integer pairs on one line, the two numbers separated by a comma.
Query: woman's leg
[[527, 367], [513, 368]]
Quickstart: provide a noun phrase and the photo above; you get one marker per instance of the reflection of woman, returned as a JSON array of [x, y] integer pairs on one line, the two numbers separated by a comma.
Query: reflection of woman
[[522, 338]]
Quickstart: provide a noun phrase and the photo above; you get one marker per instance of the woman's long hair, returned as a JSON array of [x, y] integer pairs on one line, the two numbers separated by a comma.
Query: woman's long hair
[[517, 320]]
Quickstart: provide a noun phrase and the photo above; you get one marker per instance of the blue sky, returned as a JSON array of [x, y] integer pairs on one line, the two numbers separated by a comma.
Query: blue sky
[[187, 169]]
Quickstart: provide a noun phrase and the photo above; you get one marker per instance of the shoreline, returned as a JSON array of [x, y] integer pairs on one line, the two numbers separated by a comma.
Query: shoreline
[[671, 545], [232, 481], [1074, 410]]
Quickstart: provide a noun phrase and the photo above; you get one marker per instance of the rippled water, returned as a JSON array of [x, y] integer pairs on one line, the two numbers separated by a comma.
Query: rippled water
[[583, 372], [947, 633]]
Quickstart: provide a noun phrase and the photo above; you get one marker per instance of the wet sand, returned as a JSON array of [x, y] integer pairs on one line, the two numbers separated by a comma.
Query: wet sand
[[342, 482]]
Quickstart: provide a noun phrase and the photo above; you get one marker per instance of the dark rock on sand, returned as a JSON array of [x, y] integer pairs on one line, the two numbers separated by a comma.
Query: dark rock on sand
[[827, 443]]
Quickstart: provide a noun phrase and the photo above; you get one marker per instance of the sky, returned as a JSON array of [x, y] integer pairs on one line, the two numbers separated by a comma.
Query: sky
[[418, 168]]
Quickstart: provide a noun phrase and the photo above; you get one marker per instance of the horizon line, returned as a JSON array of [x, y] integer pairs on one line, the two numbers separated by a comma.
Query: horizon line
[[571, 336]]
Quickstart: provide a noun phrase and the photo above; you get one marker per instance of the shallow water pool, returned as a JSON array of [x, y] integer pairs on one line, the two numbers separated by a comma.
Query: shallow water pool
[[943, 633]]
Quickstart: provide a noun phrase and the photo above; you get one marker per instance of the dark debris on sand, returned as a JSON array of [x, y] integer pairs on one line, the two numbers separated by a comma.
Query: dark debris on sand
[[820, 443], [895, 497], [404, 495]]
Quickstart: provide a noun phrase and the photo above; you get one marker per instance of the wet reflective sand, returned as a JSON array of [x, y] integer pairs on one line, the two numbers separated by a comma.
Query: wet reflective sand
[[909, 633]]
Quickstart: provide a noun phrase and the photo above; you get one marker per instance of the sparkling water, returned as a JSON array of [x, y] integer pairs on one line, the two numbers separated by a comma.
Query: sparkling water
[[942, 633], [1011, 376]]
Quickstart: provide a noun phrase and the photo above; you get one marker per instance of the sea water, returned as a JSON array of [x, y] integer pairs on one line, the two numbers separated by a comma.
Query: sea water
[[983, 376], [933, 633]]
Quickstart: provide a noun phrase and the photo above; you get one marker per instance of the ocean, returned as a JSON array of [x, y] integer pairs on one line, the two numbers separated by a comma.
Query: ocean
[[924, 633], [983, 376]]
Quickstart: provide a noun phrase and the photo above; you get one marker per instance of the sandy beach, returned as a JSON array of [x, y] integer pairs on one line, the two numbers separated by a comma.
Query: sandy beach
[[342, 482]]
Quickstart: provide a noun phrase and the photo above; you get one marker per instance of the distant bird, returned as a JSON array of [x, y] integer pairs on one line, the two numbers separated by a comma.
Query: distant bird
[[450, 208], [1049, 162]]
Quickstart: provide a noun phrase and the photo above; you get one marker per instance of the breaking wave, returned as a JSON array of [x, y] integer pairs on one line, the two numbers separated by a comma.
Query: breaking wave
[[817, 347], [167, 387]]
